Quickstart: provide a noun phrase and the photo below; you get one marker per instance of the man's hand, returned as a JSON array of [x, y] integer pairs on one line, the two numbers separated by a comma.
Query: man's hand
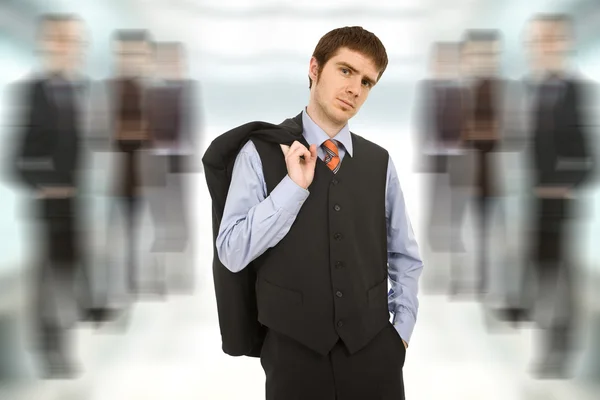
[[56, 192], [405, 345], [553, 192], [301, 171]]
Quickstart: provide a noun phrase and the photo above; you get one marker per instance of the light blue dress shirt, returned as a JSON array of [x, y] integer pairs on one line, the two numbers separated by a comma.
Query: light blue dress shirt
[[254, 222]]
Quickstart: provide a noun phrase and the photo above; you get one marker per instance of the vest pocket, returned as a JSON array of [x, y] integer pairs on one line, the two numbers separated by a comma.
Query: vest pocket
[[276, 293], [378, 294]]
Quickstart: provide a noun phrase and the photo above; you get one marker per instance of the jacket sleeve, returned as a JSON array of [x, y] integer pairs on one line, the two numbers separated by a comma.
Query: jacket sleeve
[[33, 161], [575, 161]]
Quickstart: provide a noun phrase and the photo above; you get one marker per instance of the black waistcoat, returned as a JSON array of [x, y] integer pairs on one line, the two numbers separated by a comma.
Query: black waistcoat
[[327, 278]]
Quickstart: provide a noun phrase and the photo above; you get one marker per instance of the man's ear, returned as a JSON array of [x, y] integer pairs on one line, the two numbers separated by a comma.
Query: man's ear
[[313, 69]]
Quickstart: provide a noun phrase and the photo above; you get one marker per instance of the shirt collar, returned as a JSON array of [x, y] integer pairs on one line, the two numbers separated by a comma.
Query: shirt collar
[[315, 135]]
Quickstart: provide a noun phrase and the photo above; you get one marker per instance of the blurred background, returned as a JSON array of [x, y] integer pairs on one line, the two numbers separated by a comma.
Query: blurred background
[[150, 330]]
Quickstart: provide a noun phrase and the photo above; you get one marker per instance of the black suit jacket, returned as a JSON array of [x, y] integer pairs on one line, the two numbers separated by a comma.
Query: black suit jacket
[[241, 333], [48, 148], [561, 151]]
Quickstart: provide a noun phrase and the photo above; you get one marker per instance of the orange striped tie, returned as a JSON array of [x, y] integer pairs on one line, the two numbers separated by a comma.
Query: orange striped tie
[[332, 158]]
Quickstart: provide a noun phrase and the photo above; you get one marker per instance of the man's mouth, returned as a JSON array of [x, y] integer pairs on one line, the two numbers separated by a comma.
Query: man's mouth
[[346, 103]]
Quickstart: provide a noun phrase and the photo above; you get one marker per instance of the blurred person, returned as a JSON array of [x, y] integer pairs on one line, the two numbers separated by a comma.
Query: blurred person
[[317, 213], [129, 137], [484, 91], [174, 139], [438, 141], [561, 163], [48, 162]]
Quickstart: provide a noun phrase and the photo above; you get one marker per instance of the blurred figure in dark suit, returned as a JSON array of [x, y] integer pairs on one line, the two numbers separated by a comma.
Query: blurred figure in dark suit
[[561, 163], [174, 139], [48, 161], [439, 130]]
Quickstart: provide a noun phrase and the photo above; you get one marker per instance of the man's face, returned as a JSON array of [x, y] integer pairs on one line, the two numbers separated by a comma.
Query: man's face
[[482, 58], [168, 62], [344, 83], [446, 63], [133, 58], [62, 45], [548, 44]]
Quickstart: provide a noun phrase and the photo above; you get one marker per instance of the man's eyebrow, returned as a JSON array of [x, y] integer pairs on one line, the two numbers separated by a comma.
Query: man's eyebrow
[[351, 68]]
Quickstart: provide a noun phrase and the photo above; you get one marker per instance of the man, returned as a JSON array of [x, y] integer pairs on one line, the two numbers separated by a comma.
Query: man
[[318, 221], [171, 107], [48, 162], [484, 91], [127, 136], [439, 130], [561, 163]]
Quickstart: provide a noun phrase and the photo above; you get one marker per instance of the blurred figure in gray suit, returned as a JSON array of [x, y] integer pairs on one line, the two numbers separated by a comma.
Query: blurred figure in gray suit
[[439, 130], [172, 111]]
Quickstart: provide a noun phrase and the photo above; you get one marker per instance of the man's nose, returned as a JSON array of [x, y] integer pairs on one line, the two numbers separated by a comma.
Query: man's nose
[[354, 88]]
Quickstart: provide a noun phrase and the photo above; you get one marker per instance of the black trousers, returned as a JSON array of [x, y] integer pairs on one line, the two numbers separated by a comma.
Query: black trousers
[[484, 209], [295, 372], [62, 286], [550, 266]]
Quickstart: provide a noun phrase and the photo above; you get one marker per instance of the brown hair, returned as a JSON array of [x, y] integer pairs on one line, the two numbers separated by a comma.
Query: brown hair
[[354, 38]]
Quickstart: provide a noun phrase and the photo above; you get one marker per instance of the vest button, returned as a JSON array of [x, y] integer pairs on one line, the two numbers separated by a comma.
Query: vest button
[[339, 294], [339, 264], [337, 236], [340, 324], [335, 181], [337, 207]]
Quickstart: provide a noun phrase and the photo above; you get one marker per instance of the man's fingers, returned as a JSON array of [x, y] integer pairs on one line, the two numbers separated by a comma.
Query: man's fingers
[[287, 149], [294, 154], [313, 152], [297, 150], [296, 145]]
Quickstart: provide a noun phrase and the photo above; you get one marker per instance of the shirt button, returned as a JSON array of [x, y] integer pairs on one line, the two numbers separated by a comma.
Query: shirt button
[[339, 294], [340, 324], [337, 236], [339, 264], [337, 207]]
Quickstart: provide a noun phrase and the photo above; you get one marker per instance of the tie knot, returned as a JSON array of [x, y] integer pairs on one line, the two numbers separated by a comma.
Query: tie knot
[[331, 147]]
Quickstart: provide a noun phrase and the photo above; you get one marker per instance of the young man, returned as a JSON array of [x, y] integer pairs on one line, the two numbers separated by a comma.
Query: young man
[[322, 222], [48, 162]]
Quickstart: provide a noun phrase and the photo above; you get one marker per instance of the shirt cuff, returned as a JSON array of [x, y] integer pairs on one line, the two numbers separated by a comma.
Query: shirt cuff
[[288, 196], [405, 324]]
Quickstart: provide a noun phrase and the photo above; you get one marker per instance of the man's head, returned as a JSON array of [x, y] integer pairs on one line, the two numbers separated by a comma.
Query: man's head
[[549, 41], [480, 53], [61, 42], [169, 60], [346, 64], [132, 50], [445, 60]]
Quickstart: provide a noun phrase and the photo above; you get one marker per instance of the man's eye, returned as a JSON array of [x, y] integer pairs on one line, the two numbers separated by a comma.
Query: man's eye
[[345, 70], [367, 83]]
